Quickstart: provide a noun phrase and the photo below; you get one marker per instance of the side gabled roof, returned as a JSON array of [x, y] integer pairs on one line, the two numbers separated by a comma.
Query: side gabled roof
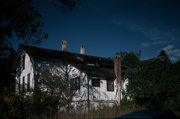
[[93, 66]]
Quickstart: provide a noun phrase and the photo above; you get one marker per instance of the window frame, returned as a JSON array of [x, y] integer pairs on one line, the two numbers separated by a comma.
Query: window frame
[[110, 82], [75, 83]]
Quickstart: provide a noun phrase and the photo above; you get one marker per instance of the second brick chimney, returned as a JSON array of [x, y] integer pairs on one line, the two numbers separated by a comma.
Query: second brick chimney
[[64, 45], [117, 71], [82, 50]]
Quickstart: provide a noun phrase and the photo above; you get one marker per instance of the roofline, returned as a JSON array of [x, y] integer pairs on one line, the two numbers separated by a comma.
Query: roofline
[[22, 45]]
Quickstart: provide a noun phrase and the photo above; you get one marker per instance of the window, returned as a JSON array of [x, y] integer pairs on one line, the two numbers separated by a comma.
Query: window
[[23, 84], [96, 82], [110, 85], [75, 83], [28, 82], [23, 62]]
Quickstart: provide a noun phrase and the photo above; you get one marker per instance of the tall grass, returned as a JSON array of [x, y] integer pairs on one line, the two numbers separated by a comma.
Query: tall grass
[[101, 112], [18, 107]]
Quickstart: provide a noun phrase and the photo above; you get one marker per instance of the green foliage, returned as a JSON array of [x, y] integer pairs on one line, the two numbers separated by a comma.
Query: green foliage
[[130, 59], [23, 106], [155, 85]]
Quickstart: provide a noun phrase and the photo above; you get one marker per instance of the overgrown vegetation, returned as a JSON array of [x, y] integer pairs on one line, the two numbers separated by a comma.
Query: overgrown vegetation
[[43, 106], [131, 59], [155, 84], [30, 107]]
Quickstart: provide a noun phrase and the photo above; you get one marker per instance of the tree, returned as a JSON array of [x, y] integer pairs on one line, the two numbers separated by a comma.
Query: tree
[[56, 81], [130, 59], [53, 93], [163, 56], [154, 85], [20, 18], [7, 72], [65, 5]]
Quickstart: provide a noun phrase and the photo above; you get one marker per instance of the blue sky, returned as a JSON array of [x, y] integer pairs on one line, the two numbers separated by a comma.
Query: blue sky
[[105, 27]]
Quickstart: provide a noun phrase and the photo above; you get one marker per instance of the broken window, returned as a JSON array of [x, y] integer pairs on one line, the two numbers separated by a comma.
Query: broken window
[[110, 85], [75, 83], [96, 82]]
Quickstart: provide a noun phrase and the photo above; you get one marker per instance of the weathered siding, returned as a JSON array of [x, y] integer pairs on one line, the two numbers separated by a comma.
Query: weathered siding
[[28, 69]]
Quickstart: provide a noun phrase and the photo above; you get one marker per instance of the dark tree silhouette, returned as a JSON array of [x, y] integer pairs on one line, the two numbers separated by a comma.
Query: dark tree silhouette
[[131, 59], [19, 18], [65, 5], [155, 84]]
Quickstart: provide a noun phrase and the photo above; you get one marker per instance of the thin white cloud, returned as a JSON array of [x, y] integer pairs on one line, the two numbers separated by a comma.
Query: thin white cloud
[[159, 42], [168, 48], [178, 54], [153, 43], [173, 58], [155, 36], [173, 52], [145, 44]]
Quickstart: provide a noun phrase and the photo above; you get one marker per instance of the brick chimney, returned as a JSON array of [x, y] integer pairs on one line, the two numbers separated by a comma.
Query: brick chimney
[[117, 71], [82, 50], [117, 67], [64, 45]]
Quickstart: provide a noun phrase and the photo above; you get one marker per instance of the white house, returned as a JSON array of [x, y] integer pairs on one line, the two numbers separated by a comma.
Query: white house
[[95, 80]]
